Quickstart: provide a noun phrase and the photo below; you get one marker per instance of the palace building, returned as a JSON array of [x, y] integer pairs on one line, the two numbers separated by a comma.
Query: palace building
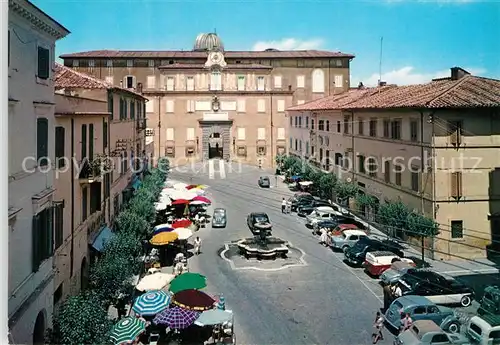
[[213, 103]]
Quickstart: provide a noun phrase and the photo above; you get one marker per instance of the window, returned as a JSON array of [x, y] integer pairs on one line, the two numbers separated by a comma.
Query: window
[[261, 134], [387, 125], [95, 197], [320, 154], [241, 133], [291, 121], [346, 124], [130, 63], [312, 150], [190, 105], [85, 195], [361, 164], [339, 81], [91, 141], [296, 120], [91, 63], [360, 126], [456, 184], [339, 127], [413, 130], [190, 133], [261, 106], [109, 63], [240, 106], [338, 63], [457, 229], [42, 141], [396, 129], [42, 237], [261, 84], [129, 82], [307, 148], [300, 121], [387, 171], [241, 83], [76, 63], [169, 106], [312, 124], [150, 106], [372, 167], [397, 173], [296, 145], [321, 125], [132, 110], [170, 83], [300, 81], [261, 150], [373, 127], [455, 129], [170, 134], [190, 84], [440, 338], [328, 126], [281, 133], [281, 105], [215, 81], [419, 310], [83, 138], [43, 63], [277, 82], [105, 133], [116, 204], [307, 121], [151, 63], [151, 81], [415, 183], [338, 159], [58, 225], [318, 81]]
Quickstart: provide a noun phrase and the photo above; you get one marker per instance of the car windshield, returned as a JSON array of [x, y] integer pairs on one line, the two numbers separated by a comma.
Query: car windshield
[[261, 218]]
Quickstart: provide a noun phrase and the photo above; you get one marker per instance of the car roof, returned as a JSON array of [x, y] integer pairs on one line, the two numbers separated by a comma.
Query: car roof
[[348, 226], [425, 326], [355, 232], [258, 214], [220, 209], [325, 209], [414, 300]]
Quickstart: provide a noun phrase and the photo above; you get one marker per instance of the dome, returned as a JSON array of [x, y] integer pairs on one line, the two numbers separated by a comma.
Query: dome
[[208, 42]]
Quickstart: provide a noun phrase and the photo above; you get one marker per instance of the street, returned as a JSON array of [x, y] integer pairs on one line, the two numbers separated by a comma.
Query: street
[[322, 301]]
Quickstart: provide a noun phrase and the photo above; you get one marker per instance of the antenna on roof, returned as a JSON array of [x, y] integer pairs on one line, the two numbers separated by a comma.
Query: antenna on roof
[[380, 61]]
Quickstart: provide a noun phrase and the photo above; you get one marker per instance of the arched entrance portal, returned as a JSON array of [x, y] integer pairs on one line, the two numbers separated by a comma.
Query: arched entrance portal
[[84, 274], [215, 146], [39, 330]]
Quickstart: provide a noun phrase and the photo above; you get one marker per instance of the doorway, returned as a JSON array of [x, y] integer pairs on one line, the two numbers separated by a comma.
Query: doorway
[[215, 147], [39, 330]]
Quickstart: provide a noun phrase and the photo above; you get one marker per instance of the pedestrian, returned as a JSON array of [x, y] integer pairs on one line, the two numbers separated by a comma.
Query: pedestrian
[[197, 245], [388, 298], [378, 325], [406, 323], [289, 206], [283, 205]]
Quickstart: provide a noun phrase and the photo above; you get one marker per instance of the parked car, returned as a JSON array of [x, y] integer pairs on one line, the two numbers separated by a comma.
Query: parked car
[[356, 254], [377, 263], [299, 197], [436, 288], [484, 330], [264, 182], [396, 271], [490, 302], [306, 207], [319, 214], [347, 239], [421, 308], [258, 221], [340, 228], [219, 219], [426, 332]]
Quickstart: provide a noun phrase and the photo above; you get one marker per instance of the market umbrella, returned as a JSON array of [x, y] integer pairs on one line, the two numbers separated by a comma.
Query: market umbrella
[[163, 238], [197, 202], [191, 186], [213, 317], [188, 281], [202, 198], [183, 233], [180, 185], [180, 202], [176, 318], [182, 223], [162, 228], [193, 300], [197, 191], [155, 281], [151, 303], [127, 330]]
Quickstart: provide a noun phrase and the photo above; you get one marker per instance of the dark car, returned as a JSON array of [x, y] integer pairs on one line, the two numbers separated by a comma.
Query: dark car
[[435, 288], [219, 219], [490, 302], [264, 182], [307, 206], [356, 254], [258, 221], [338, 220], [298, 198]]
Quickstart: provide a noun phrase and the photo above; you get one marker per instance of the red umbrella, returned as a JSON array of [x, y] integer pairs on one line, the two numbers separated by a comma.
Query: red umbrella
[[202, 199], [193, 300], [180, 202], [183, 223], [191, 186]]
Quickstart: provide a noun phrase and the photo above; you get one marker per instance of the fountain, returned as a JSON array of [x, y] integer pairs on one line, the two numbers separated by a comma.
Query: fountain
[[263, 245]]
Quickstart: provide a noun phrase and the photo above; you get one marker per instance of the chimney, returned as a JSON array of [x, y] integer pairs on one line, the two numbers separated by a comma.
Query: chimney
[[139, 88], [458, 73], [360, 85]]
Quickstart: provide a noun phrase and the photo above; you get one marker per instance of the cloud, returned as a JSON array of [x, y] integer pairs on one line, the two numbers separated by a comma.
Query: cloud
[[408, 75], [289, 44]]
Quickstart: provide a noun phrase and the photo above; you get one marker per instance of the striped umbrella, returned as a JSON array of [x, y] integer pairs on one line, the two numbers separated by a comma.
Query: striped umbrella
[[127, 330], [151, 303], [221, 304], [162, 228], [176, 318]]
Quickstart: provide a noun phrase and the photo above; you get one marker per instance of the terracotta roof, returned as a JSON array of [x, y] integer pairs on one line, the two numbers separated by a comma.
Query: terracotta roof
[[67, 78], [202, 66], [194, 54]]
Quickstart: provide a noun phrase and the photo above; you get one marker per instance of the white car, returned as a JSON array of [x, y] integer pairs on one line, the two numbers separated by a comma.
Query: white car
[[319, 214]]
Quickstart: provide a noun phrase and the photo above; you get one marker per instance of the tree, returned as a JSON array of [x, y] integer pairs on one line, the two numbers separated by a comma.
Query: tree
[[130, 222], [143, 205], [280, 160], [345, 190], [420, 226], [364, 202], [394, 215], [327, 183], [81, 319]]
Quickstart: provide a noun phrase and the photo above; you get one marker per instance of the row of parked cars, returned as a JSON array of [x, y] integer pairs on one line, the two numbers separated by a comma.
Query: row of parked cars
[[424, 294]]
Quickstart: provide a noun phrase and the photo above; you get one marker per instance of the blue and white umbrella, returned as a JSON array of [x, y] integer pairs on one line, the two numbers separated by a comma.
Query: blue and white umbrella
[[151, 303]]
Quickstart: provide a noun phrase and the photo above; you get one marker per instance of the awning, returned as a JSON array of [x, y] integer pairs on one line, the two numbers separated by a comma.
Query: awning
[[137, 183], [105, 234]]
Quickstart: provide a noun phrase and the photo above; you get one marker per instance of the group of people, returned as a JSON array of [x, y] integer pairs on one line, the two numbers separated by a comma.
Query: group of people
[[378, 326], [286, 206]]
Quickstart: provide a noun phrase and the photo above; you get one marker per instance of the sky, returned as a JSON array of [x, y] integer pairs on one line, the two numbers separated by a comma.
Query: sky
[[421, 39]]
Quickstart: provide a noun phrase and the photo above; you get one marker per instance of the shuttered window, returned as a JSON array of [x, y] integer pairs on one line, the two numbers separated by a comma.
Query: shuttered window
[[59, 146], [58, 225], [91, 141], [132, 110], [42, 238], [42, 141], [84, 142], [43, 63], [85, 201], [457, 229], [104, 134], [110, 104], [95, 197], [125, 109], [456, 185]]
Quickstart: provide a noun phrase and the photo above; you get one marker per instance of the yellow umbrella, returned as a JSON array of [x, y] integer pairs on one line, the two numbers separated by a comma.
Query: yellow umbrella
[[163, 238], [201, 186]]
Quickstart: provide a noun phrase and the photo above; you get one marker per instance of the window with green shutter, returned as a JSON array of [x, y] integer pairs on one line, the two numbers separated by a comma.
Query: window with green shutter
[[42, 141], [42, 237], [104, 134], [111, 106], [35, 246], [58, 225], [121, 108], [132, 110], [125, 110], [59, 146], [91, 141], [84, 142], [85, 196], [43, 63]]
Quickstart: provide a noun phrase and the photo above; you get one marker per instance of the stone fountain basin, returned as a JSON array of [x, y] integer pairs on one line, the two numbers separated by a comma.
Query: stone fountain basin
[[272, 248]]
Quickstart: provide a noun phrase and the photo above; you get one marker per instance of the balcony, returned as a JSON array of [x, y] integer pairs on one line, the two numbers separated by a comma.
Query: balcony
[[92, 170], [140, 125]]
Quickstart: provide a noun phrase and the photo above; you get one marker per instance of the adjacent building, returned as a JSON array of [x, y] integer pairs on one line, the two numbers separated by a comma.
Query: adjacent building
[[434, 146], [32, 199], [210, 102]]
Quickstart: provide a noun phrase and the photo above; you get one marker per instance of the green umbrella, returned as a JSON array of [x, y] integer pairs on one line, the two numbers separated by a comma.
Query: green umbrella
[[127, 330], [188, 281]]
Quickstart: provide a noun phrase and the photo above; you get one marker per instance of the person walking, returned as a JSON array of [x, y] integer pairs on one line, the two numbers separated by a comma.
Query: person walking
[[197, 245], [378, 325], [283, 205]]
